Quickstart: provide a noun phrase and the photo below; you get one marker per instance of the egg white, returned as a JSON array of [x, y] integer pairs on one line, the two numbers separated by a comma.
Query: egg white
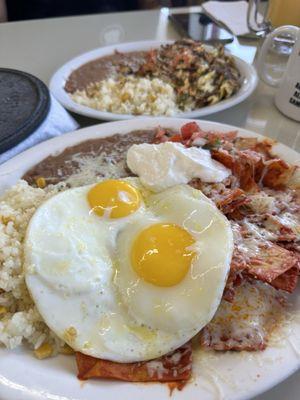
[[79, 275], [188, 306]]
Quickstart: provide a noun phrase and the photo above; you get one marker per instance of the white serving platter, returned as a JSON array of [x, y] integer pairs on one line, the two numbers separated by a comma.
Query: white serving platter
[[58, 80], [216, 375]]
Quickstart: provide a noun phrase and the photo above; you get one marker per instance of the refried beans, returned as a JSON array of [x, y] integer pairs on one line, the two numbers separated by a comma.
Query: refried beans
[[102, 152], [102, 68]]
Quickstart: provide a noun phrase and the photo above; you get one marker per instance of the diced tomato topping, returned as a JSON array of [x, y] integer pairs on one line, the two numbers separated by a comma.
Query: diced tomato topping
[[188, 129], [176, 138], [160, 132]]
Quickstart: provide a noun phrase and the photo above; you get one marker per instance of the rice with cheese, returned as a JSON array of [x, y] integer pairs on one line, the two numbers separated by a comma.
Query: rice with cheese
[[129, 95], [20, 320]]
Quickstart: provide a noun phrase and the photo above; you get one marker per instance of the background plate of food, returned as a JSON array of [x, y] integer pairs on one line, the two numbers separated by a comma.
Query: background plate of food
[[252, 342], [183, 78]]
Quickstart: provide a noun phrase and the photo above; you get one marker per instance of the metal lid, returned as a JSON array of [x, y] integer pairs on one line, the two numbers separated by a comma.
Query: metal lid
[[24, 104]]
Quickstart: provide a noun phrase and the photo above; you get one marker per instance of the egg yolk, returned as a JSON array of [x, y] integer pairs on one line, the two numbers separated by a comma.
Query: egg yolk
[[161, 254], [114, 198]]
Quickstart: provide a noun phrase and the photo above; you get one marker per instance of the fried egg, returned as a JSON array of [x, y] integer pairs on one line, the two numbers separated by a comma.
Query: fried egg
[[123, 274]]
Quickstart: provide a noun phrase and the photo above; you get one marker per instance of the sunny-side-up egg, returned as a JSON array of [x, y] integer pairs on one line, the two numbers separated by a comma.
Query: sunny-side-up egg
[[123, 274]]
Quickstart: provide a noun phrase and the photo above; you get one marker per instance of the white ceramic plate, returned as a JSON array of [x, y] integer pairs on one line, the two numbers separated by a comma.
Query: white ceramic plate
[[58, 80], [230, 376]]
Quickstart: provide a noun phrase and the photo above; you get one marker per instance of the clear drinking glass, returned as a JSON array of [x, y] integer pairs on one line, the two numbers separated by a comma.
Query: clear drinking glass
[[257, 24], [276, 13]]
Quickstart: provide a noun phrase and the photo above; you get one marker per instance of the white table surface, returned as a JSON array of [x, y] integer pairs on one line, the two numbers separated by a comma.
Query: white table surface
[[42, 46]]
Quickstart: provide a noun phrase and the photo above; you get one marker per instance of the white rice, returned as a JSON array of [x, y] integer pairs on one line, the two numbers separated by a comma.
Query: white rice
[[20, 321], [129, 95]]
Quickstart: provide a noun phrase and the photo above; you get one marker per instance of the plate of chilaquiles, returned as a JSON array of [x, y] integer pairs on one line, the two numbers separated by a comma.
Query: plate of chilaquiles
[[149, 258]]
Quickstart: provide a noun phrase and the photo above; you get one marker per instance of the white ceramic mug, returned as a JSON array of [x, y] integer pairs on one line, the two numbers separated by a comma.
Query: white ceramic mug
[[287, 98]]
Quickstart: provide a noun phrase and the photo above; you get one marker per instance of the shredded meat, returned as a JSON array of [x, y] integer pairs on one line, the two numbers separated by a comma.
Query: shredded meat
[[199, 76]]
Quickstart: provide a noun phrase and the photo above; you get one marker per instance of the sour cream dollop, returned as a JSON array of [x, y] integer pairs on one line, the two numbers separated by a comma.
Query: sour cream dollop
[[163, 165]]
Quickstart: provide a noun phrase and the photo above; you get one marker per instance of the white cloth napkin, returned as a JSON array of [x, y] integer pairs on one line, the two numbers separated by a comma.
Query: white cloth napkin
[[233, 14], [57, 122]]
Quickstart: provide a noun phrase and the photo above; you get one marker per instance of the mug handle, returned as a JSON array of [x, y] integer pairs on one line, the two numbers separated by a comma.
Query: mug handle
[[261, 65]]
